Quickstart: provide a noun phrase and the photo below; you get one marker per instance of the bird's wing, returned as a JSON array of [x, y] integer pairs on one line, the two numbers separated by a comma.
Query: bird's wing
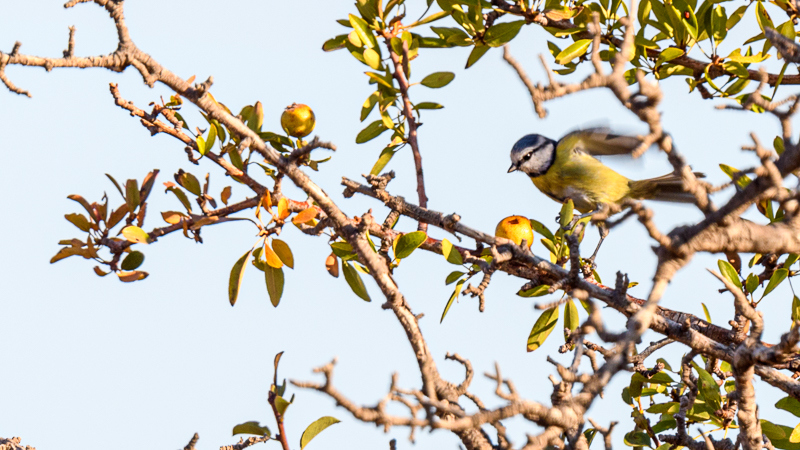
[[599, 141]]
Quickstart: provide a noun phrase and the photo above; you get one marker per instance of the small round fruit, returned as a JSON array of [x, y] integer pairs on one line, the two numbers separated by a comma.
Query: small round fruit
[[515, 229], [298, 120]]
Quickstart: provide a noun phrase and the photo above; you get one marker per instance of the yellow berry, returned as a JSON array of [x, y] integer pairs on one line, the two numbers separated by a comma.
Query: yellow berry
[[515, 229], [298, 120]]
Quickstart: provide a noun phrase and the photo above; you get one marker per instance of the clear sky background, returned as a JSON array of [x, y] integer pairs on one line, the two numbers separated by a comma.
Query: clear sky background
[[91, 362]]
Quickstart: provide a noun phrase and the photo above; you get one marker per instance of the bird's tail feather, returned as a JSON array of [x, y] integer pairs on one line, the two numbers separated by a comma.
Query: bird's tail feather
[[666, 188]]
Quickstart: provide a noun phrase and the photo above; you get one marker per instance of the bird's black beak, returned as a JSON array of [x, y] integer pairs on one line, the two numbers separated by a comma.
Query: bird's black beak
[[513, 168]]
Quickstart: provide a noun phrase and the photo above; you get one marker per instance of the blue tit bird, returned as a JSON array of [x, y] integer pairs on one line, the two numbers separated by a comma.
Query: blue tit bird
[[568, 169]]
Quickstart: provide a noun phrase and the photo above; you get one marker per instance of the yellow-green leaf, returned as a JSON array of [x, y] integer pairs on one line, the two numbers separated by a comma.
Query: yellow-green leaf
[[438, 79], [453, 296], [571, 320], [544, 325], [537, 291], [251, 428], [354, 280], [777, 278], [729, 272], [372, 58], [578, 48], [284, 252], [501, 33], [451, 254], [477, 52], [136, 234], [364, 32], [407, 243], [335, 43], [316, 428]]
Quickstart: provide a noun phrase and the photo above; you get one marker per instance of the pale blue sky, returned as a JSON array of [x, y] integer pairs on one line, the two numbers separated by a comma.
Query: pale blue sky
[[93, 362]]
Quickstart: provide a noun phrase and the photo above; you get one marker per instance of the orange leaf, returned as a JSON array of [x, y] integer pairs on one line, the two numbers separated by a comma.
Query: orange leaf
[[272, 258], [305, 215], [332, 265]]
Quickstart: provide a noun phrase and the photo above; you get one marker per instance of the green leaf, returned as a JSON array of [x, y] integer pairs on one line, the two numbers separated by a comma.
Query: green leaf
[[661, 408], [438, 79], [752, 283], [538, 291], [729, 272], [407, 243], [369, 104], [762, 17], [212, 138], [578, 48], [453, 296], [455, 275], [791, 259], [636, 439], [571, 320], [737, 15], [451, 254], [541, 229], [501, 33], [718, 24], [736, 68], [795, 310], [772, 431], [342, 249], [237, 274], [251, 428], [335, 43], [132, 194], [777, 278], [132, 261], [778, 144], [708, 388], [384, 158], [136, 234], [363, 31], [281, 405], [477, 52], [567, 212], [542, 328], [372, 131], [284, 252], [429, 19], [316, 428], [789, 404], [190, 183], [274, 280], [354, 280], [668, 54], [428, 105]]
